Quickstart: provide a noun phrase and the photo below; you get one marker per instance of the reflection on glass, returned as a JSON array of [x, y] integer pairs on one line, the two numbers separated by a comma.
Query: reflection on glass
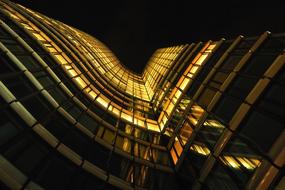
[[195, 114], [213, 124], [185, 133], [239, 162], [178, 147], [173, 156], [200, 149]]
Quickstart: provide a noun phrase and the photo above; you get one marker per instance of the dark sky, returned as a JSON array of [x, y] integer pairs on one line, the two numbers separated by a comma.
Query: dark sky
[[133, 29]]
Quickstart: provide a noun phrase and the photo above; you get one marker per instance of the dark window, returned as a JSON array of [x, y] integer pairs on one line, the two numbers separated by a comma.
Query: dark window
[[257, 128], [241, 87], [226, 108], [206, 97]]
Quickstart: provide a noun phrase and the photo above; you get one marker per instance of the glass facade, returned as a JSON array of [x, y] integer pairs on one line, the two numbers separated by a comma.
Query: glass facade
[[207, 115]]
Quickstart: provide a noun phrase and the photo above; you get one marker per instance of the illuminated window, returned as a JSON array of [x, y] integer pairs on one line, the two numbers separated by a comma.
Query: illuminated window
[[173, 155], [80, 82], [92, 94], [72, 73], [201, 59], [184, 83], [102, 101], [200, 149], [178, 147], [239, 162], [213, 123], [152, 126], [185, 133], [39, 37], [194, 69], [127, 145], [127, 117], [61, 59], [169, 108]]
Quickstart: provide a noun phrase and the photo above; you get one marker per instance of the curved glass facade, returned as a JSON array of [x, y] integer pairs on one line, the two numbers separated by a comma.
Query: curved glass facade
[[207, 115]]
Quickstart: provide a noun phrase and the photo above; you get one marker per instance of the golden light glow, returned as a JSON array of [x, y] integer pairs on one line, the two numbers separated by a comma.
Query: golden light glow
[[72, 73], [104, 70], [102, 101], [126, 117], [197, 111], [173, 156], [193, 120], [80, 82], [184, 82], [237, 162], [201, 59], [185, 133], [153, 126], [92, 94], [61, 59], [107, 68], [200, 149], [213, 123], [127, 145], [39, 37], [178, 147]]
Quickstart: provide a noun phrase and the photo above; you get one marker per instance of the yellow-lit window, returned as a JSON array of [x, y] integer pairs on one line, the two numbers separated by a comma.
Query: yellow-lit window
[[162, 125], [164, 119], [72, 73], [127, 117], [116, 111], [213, 123], [200, 149], [173, 156], [211, 47], [80, 82], [110, 108], [197, 111], [230, 161], [101, 70], [92, 94], [178, 147], [127, 145], [153, 127], [87, 90], [169, 108], [61, 59], [39, 37], [67, 67], [51, 49], [177, 95], [136, 149], [139, 122], [13, 15], [27, 26], [193, 120], [246, 163], [184, 83], [119, 142], [237, 162], [201, 59], [185, 132], [128, 129], [102, 101], [190, 75], [194, 69]]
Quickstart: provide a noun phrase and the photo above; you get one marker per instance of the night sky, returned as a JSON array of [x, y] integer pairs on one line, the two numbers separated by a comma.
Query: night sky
[[133, 29]]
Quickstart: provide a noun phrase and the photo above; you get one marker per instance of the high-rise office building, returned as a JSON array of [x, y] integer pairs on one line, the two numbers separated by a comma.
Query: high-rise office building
[[206, 115]]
